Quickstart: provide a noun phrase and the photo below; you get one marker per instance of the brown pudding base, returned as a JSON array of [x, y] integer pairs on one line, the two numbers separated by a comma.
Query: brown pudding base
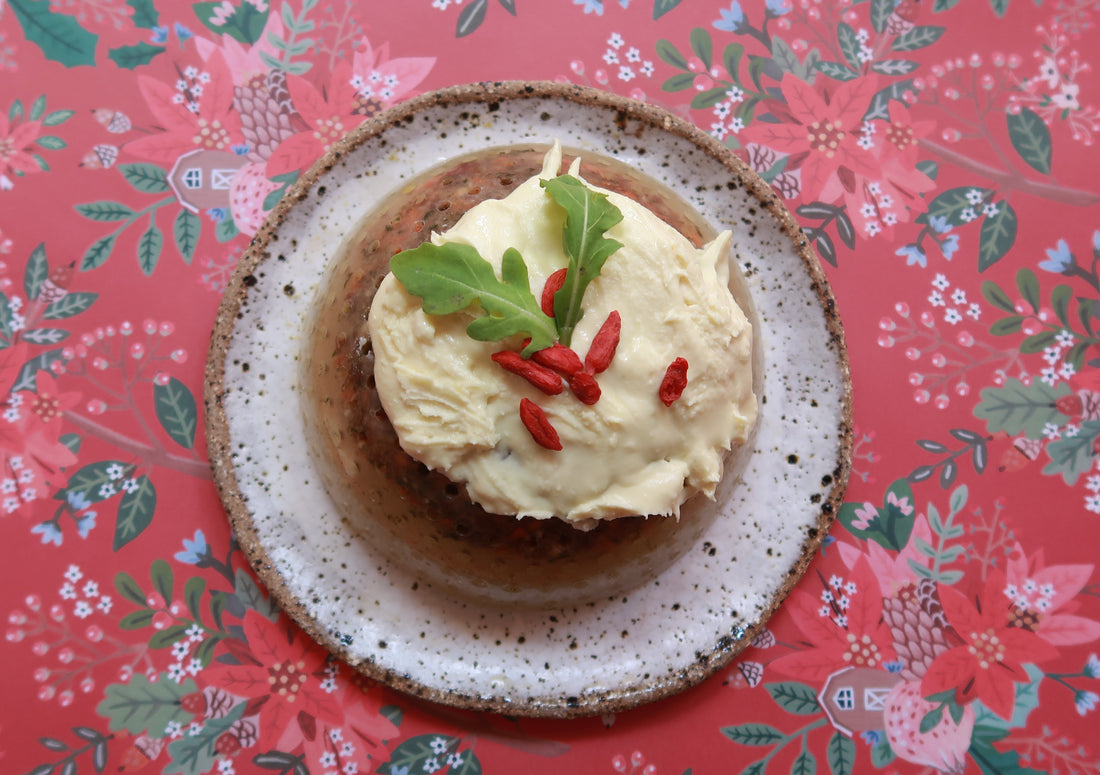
[[420, 519]]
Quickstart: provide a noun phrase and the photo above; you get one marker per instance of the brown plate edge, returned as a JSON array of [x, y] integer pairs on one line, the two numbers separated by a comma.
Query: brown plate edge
[[220, 451]]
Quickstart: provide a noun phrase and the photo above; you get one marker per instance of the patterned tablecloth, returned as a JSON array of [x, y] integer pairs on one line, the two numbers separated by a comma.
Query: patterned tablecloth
[[939, 155]]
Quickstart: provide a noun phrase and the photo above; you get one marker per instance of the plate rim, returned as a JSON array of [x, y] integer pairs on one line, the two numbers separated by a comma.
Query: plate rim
[[216, 421]]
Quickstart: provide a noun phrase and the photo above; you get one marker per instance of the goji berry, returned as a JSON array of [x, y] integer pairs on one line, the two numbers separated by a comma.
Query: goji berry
[[541, 377], [604, 344], [585, 387], [676, 379], [560, 358], [538, 425], [553, 284]]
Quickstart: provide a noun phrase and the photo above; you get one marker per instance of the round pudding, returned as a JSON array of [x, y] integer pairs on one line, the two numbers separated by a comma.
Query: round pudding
[[551, 537]]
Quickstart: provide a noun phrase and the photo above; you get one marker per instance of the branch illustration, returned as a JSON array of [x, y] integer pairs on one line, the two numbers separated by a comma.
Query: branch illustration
[[157, 456]]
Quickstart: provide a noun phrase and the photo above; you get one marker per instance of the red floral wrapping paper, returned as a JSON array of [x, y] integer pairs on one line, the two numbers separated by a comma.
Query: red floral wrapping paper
[[939, 155]]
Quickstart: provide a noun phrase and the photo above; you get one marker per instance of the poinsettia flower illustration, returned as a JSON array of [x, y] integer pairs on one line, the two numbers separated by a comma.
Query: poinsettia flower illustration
[[989, 662], [844, 626], [820, 131], [1043, 598], [375, 76], [328, 114], [893, 571], [208, 122], [17, 139], [281, 676], [244, 61]]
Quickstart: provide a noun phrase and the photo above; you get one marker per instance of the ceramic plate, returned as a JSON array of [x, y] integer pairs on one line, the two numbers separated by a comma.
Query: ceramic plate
[[600, 657]]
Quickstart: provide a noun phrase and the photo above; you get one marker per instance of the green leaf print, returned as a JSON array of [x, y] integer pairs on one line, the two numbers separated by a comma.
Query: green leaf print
[[148, 178], [145, 15], [794, 697], [186, 230], [142, 706], [195, 754], [132, 57], [38, 269], [177, 411], [69, 305], [842, 754], [60, 37], [753, 734], [1018, 408], [1031, 138], [998, 235], [1072, 456], [918, 37]]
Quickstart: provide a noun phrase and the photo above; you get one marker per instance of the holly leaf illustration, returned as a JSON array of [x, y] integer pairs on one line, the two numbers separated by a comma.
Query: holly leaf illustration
[[145, 15], [132, 57], [588, 215], [452, 277], [60, 37], [1072, 456]]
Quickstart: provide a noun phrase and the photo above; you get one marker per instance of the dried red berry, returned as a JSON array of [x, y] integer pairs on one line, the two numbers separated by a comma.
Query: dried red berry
[[560, 358], [585, 387], [553, 284], [538, 425], [195, 703], [672, 386], [541, 377], [227, 744], [604, 344]]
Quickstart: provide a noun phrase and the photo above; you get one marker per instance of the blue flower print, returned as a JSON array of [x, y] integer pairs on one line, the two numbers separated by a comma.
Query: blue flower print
[[1059, 259], [591, 6], [194, 550], [913, 254], [778, 7], [49, 531], [732, 18]]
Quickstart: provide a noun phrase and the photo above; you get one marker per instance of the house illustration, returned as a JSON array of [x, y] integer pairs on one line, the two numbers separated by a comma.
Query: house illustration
[[201, 179], [854, 698]]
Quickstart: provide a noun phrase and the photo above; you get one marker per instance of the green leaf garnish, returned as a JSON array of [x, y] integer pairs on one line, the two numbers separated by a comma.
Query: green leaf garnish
[[588, 215], [451, 277]]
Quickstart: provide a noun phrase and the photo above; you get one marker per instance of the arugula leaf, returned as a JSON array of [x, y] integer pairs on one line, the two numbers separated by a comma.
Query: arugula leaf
[[588, 215], [451, 277]]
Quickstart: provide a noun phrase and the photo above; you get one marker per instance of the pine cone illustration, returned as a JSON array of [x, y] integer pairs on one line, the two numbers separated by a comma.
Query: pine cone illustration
[[267, 113], [919, 628]]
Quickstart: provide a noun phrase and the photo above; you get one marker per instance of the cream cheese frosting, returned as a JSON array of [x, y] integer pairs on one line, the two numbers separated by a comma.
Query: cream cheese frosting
[[456, 411]]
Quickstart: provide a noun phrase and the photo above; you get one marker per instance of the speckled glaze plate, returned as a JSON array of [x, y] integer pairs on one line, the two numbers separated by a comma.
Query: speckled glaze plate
[[682, 626]]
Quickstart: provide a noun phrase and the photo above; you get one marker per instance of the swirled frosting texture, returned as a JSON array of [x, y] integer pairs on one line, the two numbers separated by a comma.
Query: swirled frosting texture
[[457, 411]]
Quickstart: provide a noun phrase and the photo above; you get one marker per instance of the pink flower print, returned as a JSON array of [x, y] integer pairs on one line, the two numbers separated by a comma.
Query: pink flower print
[[865, 514], [903, 505]]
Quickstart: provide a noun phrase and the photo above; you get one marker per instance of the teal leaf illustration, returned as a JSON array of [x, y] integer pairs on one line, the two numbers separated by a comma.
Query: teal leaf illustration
[[508, 5], [25, 380], [661, 7], [177, 411], [98, 253], [998, 235], [753, 734], [702, 45], [57, 117], [70, 304], [96, 482], [882, 755], [246, 23], [1000, 7], [471, 18], [226, 229], [149, 248], [195, 754], [45, 335], [136, 55], [1031, 138], [60, 37], [51, 142], [804, 764], [105, 211], [1072, 456], [38, 107], [918, 37], [939, 6], [784, 56], [36, 272], [841, 753], [412, 754], [849, 44], [880, 13], [894, 66], [141, 705], [837, 71], [186, 230], [953, 202], [794, 697], [148, 178], [250, 596], [879, 107], [145, 15], [135, 511], [1018, 408]]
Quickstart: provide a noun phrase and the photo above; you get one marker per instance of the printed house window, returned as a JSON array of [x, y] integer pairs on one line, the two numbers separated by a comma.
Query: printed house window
[[875, 698], [192, 178], [221, 180], [845, 698]]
